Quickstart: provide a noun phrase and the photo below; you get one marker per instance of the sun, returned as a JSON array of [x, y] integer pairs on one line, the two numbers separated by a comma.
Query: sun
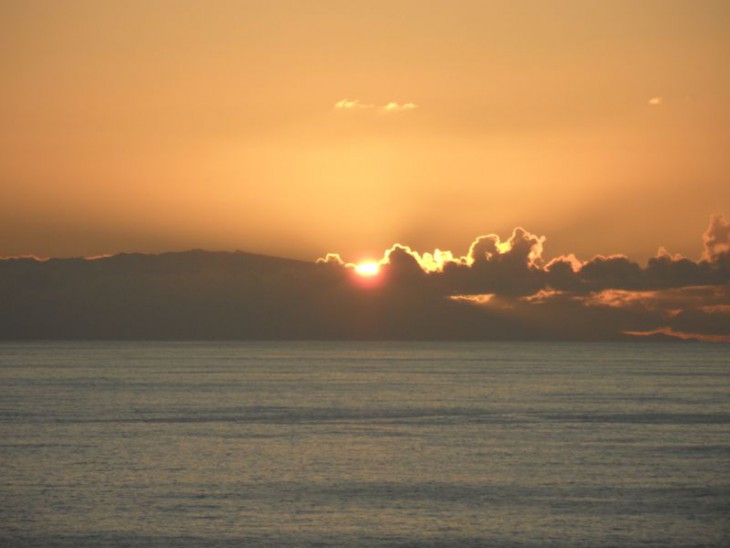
[[368, 269]]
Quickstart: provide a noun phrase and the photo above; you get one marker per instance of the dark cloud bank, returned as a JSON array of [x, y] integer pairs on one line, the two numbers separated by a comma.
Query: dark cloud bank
[[499, 291]]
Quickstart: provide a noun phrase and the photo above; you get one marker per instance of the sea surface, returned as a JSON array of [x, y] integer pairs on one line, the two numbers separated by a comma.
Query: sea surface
[[364, 444]]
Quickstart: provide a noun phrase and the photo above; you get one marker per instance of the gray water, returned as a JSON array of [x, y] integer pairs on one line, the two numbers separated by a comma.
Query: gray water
[[342, 444]]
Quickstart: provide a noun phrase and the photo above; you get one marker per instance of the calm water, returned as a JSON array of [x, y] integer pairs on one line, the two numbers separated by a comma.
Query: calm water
[[245, 444]]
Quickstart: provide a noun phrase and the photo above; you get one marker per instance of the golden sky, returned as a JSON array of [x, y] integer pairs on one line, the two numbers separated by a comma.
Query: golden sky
[[298, 128]]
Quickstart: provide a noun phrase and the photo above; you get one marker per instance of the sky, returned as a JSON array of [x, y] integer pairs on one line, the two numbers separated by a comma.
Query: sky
[[297, 129]]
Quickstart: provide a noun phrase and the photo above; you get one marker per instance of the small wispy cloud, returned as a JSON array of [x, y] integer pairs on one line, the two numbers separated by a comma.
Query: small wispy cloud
[[352, 104], [356, 104], [655, 101], [396, 107]]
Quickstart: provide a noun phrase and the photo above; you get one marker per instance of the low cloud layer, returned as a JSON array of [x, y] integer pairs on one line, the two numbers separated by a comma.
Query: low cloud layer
[[499, 290], [517, 266], [670, 297]]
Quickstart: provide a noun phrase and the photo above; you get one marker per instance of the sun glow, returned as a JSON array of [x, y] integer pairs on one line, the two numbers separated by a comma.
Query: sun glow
[[368, 269]]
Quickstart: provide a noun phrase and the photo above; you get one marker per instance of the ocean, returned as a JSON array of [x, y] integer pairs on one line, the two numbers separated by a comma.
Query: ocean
[[364, 444]]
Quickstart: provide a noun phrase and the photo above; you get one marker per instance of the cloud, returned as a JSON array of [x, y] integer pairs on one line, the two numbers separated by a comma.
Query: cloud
[[655, 101], [477, 299], [517, 267], [27, 257], [396, 107], [332, 258], [717, 239], [672, 333], [611, 293], [352, 104], [697, 313], [391, 107]]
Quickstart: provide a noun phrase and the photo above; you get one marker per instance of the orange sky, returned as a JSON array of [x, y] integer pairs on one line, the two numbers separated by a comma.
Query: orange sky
[[152, 126]]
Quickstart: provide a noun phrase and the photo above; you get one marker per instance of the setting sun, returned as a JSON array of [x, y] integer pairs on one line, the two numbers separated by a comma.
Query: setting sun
[[368, 269]]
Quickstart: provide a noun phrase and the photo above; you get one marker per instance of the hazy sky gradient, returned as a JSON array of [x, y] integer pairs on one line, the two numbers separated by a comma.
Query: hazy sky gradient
[[152, 126]]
